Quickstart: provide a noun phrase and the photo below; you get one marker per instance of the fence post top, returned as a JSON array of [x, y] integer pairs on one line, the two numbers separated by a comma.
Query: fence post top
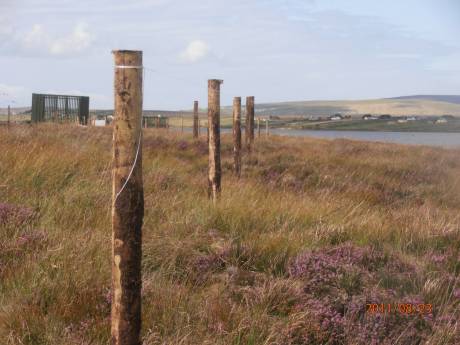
[[124, 51], [220, 81]]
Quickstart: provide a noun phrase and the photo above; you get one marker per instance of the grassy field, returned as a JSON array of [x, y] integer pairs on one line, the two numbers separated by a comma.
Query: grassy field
[[313, 232], [14, 118]]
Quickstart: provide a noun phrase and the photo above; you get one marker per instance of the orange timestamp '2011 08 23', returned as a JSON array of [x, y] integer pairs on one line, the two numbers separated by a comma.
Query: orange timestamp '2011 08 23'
[[402, 308]]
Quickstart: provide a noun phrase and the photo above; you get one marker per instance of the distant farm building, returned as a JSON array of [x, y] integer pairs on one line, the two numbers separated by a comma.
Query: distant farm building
[[336, 117], [100, 123], [404, 119], [60, 108], [369, 117]]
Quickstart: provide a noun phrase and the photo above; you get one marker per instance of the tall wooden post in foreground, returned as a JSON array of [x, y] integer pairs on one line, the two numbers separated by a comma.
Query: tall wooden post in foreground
[[237, 135], [127, 199], [196, 125], [267, 127], [214, 169], [249, 122]]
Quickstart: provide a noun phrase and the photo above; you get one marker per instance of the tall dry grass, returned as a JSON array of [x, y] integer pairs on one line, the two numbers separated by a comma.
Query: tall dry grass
[[292, 254]]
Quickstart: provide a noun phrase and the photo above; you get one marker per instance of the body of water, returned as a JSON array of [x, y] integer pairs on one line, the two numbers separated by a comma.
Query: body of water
[[451, 140], [413, 138]]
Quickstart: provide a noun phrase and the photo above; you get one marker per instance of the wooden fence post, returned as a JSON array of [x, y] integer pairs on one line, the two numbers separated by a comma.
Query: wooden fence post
[[258, 127], [267, 127], [237, 135], [127, 199], [182, 124], [214, 169], [196, 125], [249, 122], [9, 115]]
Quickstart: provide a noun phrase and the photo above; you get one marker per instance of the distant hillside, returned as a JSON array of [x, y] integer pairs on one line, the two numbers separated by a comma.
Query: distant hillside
[[408, 105], [439, 98]]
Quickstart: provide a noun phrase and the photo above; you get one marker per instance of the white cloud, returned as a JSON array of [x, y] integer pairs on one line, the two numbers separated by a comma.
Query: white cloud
[[39, 41], [35, 38], [76, 42], [195, 51]]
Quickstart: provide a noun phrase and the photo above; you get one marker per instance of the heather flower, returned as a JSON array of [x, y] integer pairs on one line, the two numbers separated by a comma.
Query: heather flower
[[204, 265], [30, 239], [342, 266], [182, 145], [15, 215], [340, 282], [438, 258], [456, 293]]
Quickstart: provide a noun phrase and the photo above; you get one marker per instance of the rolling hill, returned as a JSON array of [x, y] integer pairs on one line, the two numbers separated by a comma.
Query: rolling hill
[[405, 105]]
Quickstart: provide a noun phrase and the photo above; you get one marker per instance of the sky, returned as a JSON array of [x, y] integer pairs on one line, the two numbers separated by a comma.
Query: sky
[[275, 50]]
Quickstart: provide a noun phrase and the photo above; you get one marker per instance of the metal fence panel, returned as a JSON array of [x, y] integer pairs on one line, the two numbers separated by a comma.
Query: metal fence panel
[[60, 108]]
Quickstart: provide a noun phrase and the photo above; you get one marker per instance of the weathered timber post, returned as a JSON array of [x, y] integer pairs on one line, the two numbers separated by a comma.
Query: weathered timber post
[[267, 127], [182, 124], [9, 115], [249, 122], [127, 199], [196, 125], [237, 135], [258, 127], [214, 169]]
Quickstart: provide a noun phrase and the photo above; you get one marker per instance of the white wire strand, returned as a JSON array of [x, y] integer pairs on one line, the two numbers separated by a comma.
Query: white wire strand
[[127, 67], [139, 143]]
